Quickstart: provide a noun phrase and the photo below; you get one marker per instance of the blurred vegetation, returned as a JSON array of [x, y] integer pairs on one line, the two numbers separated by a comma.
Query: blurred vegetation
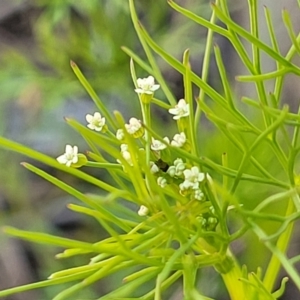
[[91, 33]]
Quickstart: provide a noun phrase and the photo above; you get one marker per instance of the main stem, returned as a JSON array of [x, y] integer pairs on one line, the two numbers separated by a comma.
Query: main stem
[[231, 279]]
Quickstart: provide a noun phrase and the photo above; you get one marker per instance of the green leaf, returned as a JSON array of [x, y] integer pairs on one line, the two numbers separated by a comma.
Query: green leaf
[[199, 20], [180, 68], [13, 146], [255, 41], [101, 214], [288, 24], [138, 60], [110, 267], [281, 290], [93, 94], [43, 238], [41, 284], [155, 68]]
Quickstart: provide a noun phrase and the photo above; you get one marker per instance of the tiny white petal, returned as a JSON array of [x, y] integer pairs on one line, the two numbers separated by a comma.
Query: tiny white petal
[[124, 147], [178, 161], [126, 155], [157, 145], [153, 167], [185, 185], [143, 211], [171, 171], [62, 159], [161, 181], [120, 134], [89, 118]]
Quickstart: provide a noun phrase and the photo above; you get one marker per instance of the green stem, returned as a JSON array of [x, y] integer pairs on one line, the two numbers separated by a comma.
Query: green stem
[[282, 245], [155, 69], [232, 280], [92, 94], [188, 95], [205, 67], [256, 56], [145, 107], [103, 165], [279, 81]]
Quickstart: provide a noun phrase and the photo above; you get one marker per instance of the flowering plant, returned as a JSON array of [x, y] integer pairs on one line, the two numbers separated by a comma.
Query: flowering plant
[[186, 204]]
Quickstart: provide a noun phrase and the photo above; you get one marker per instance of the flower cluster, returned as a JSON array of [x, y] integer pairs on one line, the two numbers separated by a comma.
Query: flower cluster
[[187, 178], [191, 179]]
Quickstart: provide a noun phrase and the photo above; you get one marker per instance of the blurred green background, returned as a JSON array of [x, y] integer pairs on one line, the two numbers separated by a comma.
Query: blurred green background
[[38, 38]]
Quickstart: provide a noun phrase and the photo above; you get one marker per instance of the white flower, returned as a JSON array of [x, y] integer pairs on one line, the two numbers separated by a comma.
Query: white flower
[[161, 181], [143, 211], [179, 140], [192, 178], [182, 109], [146, 86], [157, 145], [153, 167], [193, 175], [120, 134], [177, 169], [69, 157], [171, 171], [178, 161], [134, 127], [96, 122]]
